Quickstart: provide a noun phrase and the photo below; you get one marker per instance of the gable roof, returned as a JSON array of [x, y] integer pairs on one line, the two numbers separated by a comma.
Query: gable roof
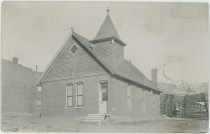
[[107, 29], [127, 71], [85, 42]]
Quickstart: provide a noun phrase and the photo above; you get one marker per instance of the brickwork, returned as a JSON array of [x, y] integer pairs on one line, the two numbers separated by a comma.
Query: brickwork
[[112, 53], [118, 101], [18, 87], [54, 101], [53, 98], [82, 67], [69, 65]]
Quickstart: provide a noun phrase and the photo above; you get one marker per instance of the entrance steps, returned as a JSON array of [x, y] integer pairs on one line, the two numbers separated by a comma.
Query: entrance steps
[[95, 118]]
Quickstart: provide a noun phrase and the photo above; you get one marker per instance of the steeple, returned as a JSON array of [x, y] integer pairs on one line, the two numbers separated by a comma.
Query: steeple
[[107, 29], [107, 10], [107, 44]]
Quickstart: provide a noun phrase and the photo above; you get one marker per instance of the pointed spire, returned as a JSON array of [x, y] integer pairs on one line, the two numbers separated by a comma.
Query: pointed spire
[[107, 29], [72, 29], [107, 10]]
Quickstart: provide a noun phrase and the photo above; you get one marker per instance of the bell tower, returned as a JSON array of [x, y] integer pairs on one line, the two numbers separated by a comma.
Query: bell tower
[[108, 44]]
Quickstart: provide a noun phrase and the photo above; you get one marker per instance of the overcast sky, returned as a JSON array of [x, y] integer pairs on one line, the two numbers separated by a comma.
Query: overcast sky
[[155, 33]]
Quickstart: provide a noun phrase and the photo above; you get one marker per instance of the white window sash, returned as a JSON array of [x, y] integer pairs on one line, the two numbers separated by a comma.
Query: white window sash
[[144, 102], [81, 95], [66, 97], [66, 100]]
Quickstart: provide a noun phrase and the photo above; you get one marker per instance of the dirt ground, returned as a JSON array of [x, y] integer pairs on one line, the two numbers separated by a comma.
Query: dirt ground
[[32, 123]]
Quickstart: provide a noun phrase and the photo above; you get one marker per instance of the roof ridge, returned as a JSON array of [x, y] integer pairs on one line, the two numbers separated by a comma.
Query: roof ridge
[[80, 36]]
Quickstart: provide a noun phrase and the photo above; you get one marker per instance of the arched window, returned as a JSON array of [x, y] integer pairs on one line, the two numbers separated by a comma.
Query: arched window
[[79, 95], [69, 95]]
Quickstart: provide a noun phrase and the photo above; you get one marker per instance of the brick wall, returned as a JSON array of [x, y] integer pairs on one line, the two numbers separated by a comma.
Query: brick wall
[[75, 68], [69, 65], [111, 53], [18, 87], [53, 96], [118, 101]]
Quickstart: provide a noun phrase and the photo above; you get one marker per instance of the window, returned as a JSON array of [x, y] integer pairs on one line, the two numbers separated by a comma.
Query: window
[[143, 106], [112, 41], [104, 90], [39, 88], [69, 95], [143, 102], [91, 46], [38, 102], [104, 96], [154, 102], [79, 94], [104, 86], [129, 97], [74, 48]]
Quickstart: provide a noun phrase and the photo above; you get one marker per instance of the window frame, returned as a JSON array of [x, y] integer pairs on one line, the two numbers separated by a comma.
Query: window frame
[[102, 89], [143, 106], [144, 102], [154, 102], [39, 89], [81, 95], [38, 102], [129, 97], [69, 96], [74, 44]]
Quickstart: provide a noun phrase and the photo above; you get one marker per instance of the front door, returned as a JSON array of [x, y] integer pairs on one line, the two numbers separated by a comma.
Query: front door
[[103, 97]]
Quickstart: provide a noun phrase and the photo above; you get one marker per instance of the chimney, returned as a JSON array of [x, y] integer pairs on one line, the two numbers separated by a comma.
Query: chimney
[[154, 75], [15, 60]]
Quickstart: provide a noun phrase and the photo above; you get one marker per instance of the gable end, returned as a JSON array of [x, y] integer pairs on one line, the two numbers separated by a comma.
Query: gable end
[[81, 47]]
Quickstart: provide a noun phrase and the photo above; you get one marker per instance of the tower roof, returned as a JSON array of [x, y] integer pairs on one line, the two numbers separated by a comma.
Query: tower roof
[[107, 29]]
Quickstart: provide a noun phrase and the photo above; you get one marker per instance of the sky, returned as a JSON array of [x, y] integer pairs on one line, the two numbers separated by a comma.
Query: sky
[[155, 33]]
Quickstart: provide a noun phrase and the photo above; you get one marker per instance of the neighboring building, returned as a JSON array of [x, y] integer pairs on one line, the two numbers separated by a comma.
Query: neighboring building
[[90, 77], [18, 87]]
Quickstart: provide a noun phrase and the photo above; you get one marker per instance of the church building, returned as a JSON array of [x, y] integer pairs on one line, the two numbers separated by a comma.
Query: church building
[[92, 77]]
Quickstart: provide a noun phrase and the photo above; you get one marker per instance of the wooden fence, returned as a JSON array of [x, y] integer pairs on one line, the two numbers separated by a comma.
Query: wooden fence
[[185, 106]]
